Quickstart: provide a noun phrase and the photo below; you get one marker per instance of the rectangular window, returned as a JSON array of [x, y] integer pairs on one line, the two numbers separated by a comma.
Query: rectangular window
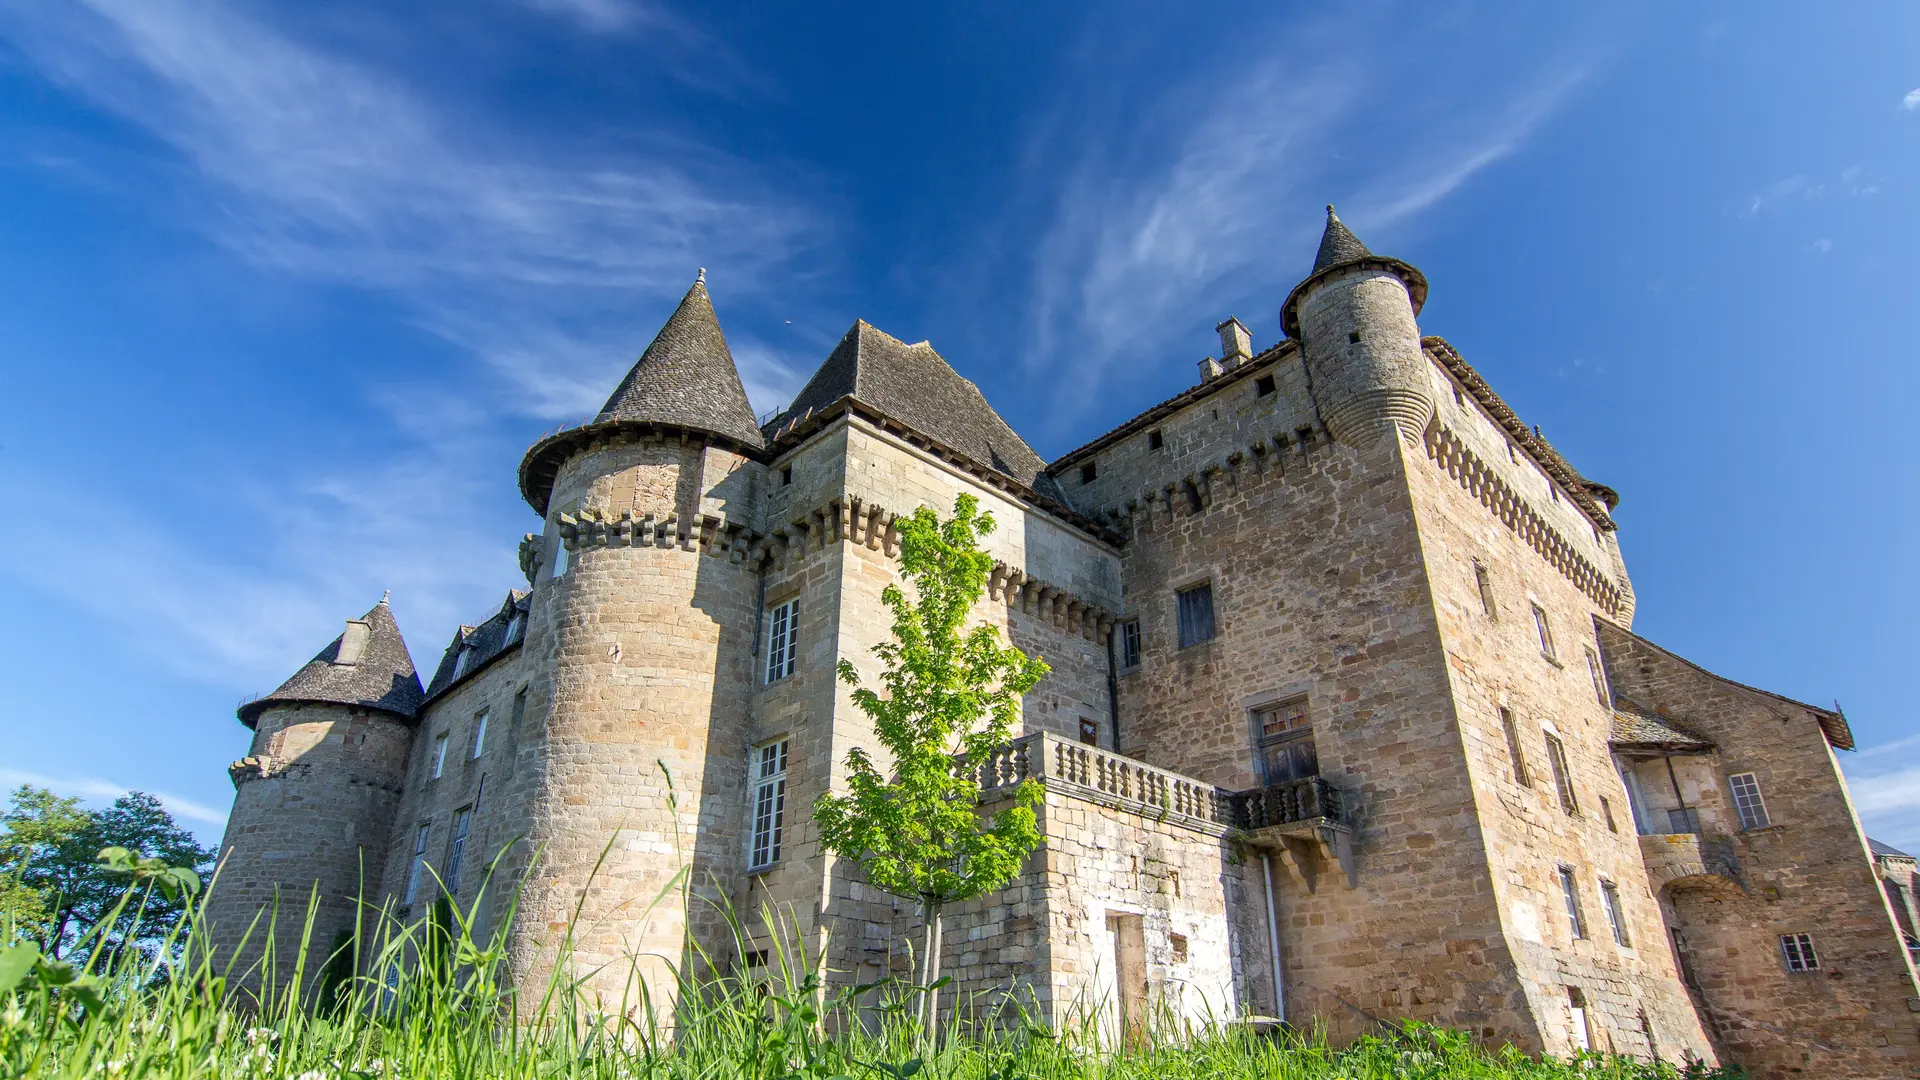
[[1154, 439], [1599, 678], [515, 626], [1798, 951], [1562, 777], [1683, 820], [1130, 644], [1616, 919], [1196, 614], [1263, 386], [462, 660], [1606, 811], [786, 476], [1089, 731], [1577, 1003], [519, 708], [439, 756], [1545, 631], [768, 800], [1484, 581], [480, 734], [1514, 753], [1285, 733], [1570, 891], [1746, 799], [418, 869], [1088, 472], [783, 641], [559, 557], [457, 847]]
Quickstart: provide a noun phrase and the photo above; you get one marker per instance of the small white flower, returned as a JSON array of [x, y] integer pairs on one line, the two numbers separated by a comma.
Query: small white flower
[[256, 1035], [14, 1014], [315, 1074]]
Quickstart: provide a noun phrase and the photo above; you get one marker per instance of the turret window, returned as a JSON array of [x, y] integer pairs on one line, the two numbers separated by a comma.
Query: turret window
[[783, 640], [559, 557], [767, 803], [1353, 337]]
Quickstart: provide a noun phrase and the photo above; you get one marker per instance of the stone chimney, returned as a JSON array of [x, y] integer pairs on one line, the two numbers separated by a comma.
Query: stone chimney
[[1210, 369], [1236, 343]]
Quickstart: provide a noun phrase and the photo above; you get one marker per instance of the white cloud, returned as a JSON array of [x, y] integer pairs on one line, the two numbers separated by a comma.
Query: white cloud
[[95, 789], [1911, 101], [599, 16], [1793, 187]]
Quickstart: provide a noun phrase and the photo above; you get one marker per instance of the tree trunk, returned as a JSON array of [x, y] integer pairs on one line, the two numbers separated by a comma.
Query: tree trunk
[[929, 965]]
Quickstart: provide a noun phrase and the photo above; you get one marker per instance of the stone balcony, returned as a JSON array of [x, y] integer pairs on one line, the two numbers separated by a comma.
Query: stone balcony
[[1291, 819], [1688, 859]]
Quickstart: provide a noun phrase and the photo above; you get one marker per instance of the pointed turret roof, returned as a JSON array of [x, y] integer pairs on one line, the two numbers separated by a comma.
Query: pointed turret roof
[[367, 665], [687, 376], [685, 380], [1340, 251], [916, 386]]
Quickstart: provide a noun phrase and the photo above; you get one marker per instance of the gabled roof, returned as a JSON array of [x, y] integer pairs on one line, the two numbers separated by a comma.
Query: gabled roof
[[375, 673], [685, 383], [916, 386], [495, 636], [1635, 728], [687, 376], [1341, 251]]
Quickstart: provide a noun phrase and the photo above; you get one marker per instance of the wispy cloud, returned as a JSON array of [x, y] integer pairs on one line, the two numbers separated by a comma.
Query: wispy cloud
[[1172, 208], [1912, 101], [96, 789]]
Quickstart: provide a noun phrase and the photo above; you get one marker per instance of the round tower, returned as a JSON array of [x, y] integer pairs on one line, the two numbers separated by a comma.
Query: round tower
[[314, 801], [644, 611], [1354, 319]]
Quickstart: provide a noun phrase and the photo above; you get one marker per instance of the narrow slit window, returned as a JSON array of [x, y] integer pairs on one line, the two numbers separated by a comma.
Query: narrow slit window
[[1616, 919], [1196, 614], [519, 708], [480, 734], [1747, 800], [559, 557], [1130, 644], [1545, 631], [1483, 580], [1562, 776], [1606, 811], [1155, 440], [783, 641], [1797, 949], [418, 868], [1514, 753], [1599, 678], [786, 476], [769, 803], [457, 847], [1570, 892], [439, 756]]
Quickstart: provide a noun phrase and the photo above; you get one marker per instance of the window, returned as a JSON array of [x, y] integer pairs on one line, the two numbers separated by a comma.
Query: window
[[1546, 632], [1484, 580], [1798, 951], [1089, 731], [1514, 753], [1617, 919], [1570, 891], [1088, 472], [439, 756], [1130, 644], [519, 708], [1263, 386], [480, 733], [1683, 820], [462, 660], [1353, 337], [769, 803], [1577, 1005], [559, 557], [1599, 678], [1286, 748], [1746, 799], [786, 476], [1177, 947], [1154, 439], [1606, 811], [783, 641], [1562, 778], [457, 847], [418, 869], [515, 625], [1196, 614]]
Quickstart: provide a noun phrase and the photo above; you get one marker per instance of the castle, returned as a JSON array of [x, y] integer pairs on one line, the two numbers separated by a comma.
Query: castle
[[1346, 720]]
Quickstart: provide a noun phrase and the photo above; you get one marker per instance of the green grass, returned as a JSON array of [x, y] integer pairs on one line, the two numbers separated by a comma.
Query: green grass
[[443, 1007]]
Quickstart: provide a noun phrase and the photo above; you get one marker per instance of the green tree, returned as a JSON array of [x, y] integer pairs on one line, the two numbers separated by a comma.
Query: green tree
[[50, 852], [950, 696]]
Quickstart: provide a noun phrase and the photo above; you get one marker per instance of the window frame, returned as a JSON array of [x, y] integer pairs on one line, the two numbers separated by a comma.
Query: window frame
[[457, 847], [1798, 953], [438, 766], [479, 734], [1616, 916], [1089, 731], [1601, 689], [1543, 630], [783, 641], [1562, 773], [561, 557], [1289, 735], [1570, 892], [1516, 753], [1180, 595], [417, 869], [766, 803], [1132, 645], [1740, 798], [1483, 581]]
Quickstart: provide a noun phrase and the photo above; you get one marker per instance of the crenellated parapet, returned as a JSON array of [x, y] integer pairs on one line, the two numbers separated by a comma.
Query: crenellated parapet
[[1446, 450], [1197, 490]]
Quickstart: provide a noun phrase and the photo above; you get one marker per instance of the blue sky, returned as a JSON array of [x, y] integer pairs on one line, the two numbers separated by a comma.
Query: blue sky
[[286, 290]]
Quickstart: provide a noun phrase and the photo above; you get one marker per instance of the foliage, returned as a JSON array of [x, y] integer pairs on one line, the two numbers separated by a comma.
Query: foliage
[[951, 698], [58, 883]]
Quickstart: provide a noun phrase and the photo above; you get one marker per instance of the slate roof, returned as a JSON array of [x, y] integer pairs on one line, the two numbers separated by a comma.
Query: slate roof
[[1885, 851], [1635, 728], [685, 380], [499, 634], [382, 678], [1340, 251], [916, 386]]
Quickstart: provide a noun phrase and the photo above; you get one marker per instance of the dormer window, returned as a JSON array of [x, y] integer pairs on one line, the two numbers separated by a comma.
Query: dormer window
[[515, 626], [462, 660]]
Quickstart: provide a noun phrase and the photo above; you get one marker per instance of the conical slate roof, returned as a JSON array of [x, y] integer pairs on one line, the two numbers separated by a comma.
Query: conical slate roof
[[687, 377], [367, 665], [916, 386], [1341, 250], [1338, 244]]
